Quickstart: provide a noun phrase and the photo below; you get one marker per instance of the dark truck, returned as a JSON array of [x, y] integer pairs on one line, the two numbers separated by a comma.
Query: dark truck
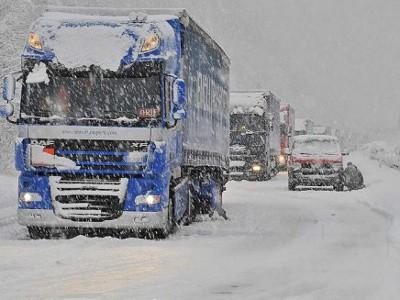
[[254, 135], [123, 121]]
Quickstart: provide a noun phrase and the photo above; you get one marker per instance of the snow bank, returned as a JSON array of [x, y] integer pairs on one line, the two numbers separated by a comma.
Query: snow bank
[[380, 193], [384, 153]]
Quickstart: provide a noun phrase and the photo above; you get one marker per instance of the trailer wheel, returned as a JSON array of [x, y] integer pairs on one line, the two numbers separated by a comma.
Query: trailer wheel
[[38, 233]]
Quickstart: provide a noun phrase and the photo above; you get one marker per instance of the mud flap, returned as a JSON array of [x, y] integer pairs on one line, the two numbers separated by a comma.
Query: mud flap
[[181, 193], [208, 193]]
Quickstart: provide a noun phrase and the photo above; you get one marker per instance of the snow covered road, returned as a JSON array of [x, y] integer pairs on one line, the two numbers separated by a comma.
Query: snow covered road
[[277, 245]]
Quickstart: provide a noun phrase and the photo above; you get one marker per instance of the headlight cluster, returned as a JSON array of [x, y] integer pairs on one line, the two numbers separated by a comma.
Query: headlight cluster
[[29, 197], [147, 199], [256, 168]]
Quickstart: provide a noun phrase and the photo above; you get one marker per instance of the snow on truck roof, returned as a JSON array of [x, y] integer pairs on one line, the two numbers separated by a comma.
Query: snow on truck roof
[[85, 36], [111, 14], [247, 102], [81, 36]]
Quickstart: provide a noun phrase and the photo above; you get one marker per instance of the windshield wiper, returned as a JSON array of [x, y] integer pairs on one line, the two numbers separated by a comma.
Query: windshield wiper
[[330, 153]]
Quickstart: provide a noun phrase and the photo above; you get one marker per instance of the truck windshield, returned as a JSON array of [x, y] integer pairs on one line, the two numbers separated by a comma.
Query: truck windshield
[[249, 140], [135, 100], [316, 146], [247, 122]]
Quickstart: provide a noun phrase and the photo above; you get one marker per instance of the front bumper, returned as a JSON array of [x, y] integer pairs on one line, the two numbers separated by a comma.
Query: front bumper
[[128, 220], [316, 180]]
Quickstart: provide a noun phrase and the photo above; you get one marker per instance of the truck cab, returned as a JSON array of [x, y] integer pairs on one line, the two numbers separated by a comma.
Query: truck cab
[[107, 121], [315, 160]]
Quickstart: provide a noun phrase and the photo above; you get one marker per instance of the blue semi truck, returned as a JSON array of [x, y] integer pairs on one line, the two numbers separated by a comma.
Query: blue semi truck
[[123, 121]]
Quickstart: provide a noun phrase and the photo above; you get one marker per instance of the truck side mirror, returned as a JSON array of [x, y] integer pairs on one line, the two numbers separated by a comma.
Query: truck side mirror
[[9, 87], [179, 100], [179, 114], [6, 110], [179, 93]]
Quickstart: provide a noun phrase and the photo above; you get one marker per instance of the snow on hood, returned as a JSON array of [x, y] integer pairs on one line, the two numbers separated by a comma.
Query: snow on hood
[[83, 40]]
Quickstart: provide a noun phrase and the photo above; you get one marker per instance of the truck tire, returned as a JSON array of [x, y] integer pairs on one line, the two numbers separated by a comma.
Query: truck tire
[[170, 226], [190, 214], [38, 233]]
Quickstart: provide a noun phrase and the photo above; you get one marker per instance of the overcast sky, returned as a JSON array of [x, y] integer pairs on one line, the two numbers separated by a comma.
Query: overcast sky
[[337, 61]]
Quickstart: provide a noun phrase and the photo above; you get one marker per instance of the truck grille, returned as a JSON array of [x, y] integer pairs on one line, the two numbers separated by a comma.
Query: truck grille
[[88, 198], [100, 156], [317, 169]]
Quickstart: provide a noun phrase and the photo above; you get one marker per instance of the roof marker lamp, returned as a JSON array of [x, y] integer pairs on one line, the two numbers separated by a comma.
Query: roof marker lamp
[[34, 41], [151, 43]]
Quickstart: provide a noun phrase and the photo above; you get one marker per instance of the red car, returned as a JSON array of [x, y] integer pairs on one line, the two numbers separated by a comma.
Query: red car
[[315, 160]]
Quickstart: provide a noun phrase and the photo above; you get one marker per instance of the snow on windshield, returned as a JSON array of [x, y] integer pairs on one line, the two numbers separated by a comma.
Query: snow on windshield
[[316, 145]]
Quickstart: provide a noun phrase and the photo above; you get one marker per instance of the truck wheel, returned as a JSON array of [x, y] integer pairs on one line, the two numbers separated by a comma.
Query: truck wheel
[[37, 233], [190, 213], [171, 223]]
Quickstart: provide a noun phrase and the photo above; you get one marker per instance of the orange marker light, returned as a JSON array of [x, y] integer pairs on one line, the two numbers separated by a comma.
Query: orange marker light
[[49, 150], [34, 41]]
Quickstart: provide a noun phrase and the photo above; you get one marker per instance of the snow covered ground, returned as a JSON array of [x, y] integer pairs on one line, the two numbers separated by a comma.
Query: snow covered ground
[[277, 245]]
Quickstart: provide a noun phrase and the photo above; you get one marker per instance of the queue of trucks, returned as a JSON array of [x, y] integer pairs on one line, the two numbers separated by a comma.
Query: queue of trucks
[[136, 130]]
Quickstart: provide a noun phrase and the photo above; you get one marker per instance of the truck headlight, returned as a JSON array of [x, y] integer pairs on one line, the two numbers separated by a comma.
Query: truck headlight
[[256, 168], [30, 197], [282, 159], [147, 199], [152, 42]]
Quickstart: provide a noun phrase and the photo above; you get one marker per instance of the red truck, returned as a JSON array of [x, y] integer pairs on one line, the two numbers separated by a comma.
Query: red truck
[[287, 133], [315, 160]]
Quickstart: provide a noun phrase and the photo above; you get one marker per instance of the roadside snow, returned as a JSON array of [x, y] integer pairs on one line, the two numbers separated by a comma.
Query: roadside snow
[[382, 192], [385, 153], [276, 245]]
